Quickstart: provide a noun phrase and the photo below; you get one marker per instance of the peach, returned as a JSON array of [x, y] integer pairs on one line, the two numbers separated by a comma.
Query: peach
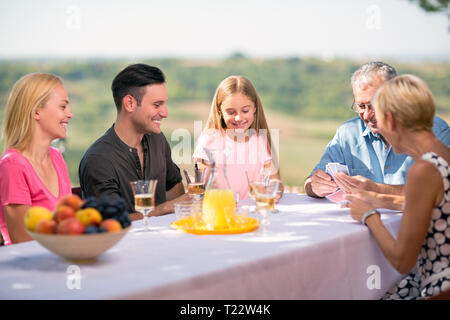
[[71, 200], [89, 216], [111, 225], [46, 226], [70, 226], [64, 212], [36, 214]]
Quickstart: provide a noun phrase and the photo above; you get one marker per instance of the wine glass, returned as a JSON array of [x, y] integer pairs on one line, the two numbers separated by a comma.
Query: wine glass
[[265, 196], [196, 183], [265, 176], [144, 197], [258, 182]]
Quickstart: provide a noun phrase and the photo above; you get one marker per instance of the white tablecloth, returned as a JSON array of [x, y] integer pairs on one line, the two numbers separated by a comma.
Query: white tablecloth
[[312, 250]]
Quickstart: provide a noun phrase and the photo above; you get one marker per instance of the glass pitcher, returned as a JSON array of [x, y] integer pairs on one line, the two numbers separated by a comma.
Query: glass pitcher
[[218, 201]]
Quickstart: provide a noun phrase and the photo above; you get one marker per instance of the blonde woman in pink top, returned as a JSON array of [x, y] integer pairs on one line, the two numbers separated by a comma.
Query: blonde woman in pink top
[[237, 125], [32, 173]]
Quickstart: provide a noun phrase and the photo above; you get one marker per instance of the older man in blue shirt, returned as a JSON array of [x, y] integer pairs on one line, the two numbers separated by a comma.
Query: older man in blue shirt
[[358, 144]]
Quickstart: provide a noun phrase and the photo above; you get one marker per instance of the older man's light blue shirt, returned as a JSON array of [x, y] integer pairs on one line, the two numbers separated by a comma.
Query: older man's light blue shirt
[[365, 153]]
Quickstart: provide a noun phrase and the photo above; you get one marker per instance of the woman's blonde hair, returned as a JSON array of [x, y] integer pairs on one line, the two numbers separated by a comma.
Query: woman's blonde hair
[[410, 101], [233, 85], [28, 93]]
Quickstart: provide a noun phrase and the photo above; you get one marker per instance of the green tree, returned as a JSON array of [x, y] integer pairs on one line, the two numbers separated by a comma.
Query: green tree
[[434, 6]]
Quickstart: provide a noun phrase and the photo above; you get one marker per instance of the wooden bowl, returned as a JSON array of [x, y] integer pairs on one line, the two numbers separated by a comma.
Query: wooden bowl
[[79, 247]]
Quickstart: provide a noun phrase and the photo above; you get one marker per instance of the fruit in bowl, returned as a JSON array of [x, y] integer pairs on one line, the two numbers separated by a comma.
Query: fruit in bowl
[[79, 229], [71, 200], [70, 226], [89, 216], [46, 226], [63, 212], [111, 225], [36, 214]]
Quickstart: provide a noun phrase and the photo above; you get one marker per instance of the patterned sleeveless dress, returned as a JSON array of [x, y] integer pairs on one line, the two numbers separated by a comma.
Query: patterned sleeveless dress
[[432, 273]]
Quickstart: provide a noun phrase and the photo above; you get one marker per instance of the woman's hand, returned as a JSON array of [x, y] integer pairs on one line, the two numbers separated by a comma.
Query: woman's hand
[[360, 203]]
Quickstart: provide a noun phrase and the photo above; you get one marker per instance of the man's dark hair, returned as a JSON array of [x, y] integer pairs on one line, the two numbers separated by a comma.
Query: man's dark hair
[[132, 80]]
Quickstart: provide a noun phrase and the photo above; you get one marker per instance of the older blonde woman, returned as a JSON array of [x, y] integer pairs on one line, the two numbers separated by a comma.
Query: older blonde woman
[[404, 109], [32, 172]]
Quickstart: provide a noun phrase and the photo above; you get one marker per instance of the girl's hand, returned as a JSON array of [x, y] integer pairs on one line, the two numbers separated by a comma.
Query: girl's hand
[[280, 190]]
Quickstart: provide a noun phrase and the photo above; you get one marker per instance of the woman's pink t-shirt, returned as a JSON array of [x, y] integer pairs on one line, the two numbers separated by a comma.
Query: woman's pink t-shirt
[[241, 157], [20, 184]]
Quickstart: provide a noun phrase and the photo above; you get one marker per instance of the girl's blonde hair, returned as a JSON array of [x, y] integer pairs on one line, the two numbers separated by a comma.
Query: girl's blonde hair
[[410, 101], [232, 85], [28, 93], [228, 87]]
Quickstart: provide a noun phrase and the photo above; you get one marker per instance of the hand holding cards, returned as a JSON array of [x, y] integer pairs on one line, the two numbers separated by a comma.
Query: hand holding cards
[[331, 169]]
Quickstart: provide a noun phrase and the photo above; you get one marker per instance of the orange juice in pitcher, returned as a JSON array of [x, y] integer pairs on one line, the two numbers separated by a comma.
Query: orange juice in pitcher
[[218, 207], [218, 201]]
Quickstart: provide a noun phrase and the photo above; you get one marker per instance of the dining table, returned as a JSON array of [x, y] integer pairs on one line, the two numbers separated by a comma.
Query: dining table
[[311, 249]]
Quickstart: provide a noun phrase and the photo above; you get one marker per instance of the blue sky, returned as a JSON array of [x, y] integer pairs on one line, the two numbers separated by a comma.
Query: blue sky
[[213, 29]]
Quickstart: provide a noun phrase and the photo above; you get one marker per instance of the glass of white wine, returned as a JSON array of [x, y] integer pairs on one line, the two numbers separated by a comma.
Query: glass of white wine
[[265, 197], [144, 197], [257, 183]]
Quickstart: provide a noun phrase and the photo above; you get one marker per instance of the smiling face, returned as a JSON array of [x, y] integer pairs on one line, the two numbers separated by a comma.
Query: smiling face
[[53, 117], [147, 117], [238, 112], [363, 94]]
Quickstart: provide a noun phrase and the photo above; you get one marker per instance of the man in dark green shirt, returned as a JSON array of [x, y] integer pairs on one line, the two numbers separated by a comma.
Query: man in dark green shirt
[[134, 148]]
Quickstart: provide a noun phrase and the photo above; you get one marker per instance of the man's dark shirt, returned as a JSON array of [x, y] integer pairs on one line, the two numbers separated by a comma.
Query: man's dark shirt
[[109, 165]]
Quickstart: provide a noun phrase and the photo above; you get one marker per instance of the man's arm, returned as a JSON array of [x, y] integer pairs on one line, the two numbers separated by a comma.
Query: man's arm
[[377, 194], [362, 183], [319, 184], [174, 184], [97, 177], [175, 192], [390, 189], [174, 195], [441, 130]]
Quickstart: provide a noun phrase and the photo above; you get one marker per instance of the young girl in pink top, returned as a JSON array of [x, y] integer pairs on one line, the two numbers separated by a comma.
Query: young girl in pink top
[[32, 173], [237, 125]]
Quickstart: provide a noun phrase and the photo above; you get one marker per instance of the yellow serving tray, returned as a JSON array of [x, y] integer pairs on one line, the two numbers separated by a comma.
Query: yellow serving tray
[[188, 225]]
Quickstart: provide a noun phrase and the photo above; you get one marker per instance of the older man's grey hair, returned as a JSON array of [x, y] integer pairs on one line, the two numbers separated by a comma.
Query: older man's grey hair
[[364, 75]]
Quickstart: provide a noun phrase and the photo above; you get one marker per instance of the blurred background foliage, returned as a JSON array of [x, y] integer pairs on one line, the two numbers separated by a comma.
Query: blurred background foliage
[[306, 99]]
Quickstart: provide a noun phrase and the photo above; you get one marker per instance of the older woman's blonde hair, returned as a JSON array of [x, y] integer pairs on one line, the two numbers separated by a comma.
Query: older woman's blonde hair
[[29, 93], [410, 101]]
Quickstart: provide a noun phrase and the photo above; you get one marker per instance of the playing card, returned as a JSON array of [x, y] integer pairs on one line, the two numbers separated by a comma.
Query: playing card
[[333, 167], [342, 168], [337, 197], [330, 168]]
